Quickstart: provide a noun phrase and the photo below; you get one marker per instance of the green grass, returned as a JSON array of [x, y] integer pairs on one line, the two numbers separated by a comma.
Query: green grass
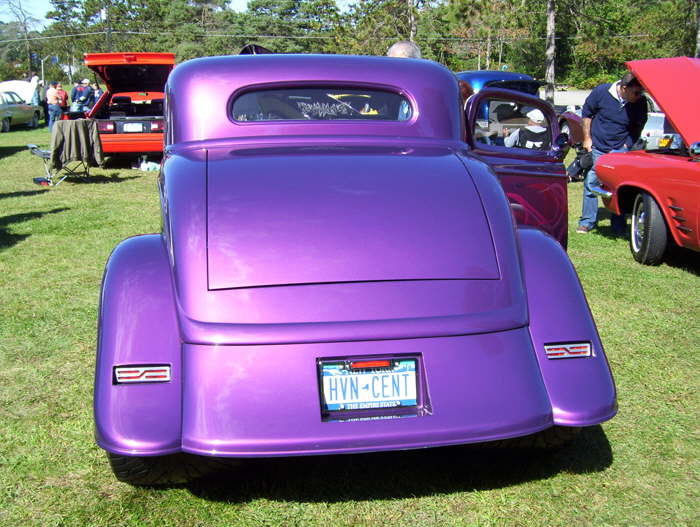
[[640, 469]]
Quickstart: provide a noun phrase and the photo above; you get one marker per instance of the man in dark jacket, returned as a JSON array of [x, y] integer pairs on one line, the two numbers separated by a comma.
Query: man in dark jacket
[[613, 118], [81, 96]]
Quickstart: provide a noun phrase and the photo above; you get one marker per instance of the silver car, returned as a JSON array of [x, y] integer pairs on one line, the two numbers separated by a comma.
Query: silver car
[[14, 111]]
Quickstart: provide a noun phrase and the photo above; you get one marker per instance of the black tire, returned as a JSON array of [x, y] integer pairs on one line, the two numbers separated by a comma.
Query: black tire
[[549, 439], [35, 121], [161, 470], [5, 126], [648, 233]]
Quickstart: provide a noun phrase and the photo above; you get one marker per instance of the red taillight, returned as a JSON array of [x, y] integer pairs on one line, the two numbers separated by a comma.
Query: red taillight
[[157, 126], [136, 374], [568, 350], [361, 365], [107, 127]]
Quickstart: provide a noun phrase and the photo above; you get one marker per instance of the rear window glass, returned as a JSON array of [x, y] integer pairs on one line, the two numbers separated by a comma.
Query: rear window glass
[[321, 104]]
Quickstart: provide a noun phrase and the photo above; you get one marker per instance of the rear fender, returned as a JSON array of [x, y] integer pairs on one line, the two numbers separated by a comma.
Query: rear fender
[[138, 326], [581, 390]]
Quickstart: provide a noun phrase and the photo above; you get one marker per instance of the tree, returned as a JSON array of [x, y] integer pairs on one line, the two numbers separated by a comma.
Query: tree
[[25, 22], [551, 52]]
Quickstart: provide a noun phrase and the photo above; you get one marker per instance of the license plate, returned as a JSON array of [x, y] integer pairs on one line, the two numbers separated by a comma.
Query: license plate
[[133, 127], [368, 384]]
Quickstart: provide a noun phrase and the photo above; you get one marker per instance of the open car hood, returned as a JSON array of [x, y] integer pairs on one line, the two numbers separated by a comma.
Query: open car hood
[[304, 215], [124, 72], [660, 78]]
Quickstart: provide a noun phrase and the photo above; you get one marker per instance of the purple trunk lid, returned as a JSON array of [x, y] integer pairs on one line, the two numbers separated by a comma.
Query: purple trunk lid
[[355, 214]]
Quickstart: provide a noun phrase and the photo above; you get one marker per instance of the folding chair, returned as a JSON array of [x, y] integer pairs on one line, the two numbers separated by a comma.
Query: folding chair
[[75, 147]]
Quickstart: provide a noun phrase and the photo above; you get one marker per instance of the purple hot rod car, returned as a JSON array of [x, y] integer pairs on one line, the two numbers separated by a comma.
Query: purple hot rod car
[[340, 271]]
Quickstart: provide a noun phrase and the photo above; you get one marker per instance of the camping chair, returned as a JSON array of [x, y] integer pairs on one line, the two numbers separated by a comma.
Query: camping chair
[[75, 147]]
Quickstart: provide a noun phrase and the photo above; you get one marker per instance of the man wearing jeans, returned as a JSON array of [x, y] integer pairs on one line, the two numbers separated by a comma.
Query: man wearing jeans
[[613, 118], [54, 104]]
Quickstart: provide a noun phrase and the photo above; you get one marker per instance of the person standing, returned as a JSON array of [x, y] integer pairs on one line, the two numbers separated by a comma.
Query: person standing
[[54, 104], [81, 96], [96, 93], [62, 97], [613, 118], [405, 49]]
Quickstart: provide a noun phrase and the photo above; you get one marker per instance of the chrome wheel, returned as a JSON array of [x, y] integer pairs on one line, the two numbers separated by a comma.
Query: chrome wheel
[[638, 225], [648, 233]]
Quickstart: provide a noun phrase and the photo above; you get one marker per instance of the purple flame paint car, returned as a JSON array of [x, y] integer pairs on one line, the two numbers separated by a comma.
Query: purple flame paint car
[[339, 272]]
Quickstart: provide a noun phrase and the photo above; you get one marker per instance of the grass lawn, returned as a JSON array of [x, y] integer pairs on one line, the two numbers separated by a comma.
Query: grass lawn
[[640, 469]]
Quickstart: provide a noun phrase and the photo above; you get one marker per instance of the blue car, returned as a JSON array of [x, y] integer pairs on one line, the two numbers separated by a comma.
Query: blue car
[[509, 80]]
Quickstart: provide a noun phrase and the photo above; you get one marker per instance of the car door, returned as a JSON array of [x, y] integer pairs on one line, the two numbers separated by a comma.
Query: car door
[[5, 105], [532, 175], [21, 111]]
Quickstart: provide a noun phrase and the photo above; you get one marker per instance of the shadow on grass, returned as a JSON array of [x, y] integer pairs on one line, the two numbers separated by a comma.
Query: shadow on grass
[[101, 179], [682, 258], [402, 474], [675, 256], [22, 193], [6, 151], [8, 239]]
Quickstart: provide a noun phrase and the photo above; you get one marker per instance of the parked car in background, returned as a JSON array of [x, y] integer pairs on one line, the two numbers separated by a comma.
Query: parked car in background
[[479, 79], [339, 272], [129, 114], [14, 111], [660, 185], [570, 122]]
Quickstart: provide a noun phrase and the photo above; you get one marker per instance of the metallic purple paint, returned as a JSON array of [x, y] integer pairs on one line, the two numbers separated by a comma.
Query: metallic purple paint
[[288, 242]]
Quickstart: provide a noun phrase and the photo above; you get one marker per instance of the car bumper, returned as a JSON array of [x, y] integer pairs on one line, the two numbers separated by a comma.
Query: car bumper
[[132, 143], [247, 401]]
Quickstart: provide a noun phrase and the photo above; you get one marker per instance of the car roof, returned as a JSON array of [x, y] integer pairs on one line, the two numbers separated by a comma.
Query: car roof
[[431, 88], [478, 78]]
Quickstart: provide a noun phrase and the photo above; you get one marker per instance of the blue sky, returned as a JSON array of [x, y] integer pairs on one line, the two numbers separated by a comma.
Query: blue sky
[[38, 8]]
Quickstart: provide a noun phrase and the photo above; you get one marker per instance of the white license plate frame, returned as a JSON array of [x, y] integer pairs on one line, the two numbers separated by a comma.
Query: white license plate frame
[[345, 387], [132, 128]]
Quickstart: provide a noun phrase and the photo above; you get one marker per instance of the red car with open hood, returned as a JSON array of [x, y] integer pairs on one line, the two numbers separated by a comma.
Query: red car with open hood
[[130, 112], [660, 187]]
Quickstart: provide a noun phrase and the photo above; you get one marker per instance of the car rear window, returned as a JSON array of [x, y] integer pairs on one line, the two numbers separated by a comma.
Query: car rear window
[[321, 104]]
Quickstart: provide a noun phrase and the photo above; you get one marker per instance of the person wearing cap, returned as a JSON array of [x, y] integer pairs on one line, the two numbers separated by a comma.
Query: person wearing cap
[[533, 135], [613, 118], [81, 96]]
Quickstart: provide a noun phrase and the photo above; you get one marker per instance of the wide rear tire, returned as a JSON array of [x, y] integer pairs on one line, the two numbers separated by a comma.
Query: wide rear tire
[[648, 232], [161, 470], [549, 439]]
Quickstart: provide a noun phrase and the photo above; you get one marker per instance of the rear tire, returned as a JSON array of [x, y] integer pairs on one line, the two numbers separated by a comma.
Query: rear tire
[[549, 439], [34, 122], [5, 126], [161, 470], [648, 236]]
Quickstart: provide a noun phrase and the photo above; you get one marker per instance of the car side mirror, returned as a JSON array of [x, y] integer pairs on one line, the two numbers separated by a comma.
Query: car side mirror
[[694, 151]]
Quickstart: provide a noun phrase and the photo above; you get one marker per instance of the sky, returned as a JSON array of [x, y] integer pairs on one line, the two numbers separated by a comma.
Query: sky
[[38, 8]]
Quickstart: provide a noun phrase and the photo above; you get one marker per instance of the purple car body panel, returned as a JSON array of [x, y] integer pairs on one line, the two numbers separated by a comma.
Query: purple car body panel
[[286, 243]]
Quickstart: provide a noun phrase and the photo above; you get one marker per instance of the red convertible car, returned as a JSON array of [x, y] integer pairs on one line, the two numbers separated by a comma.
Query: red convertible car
[[130, 112], [660, 187]]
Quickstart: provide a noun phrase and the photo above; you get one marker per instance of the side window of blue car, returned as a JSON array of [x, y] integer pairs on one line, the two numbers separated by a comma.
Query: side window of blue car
[[513, 125], [315, 103]]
